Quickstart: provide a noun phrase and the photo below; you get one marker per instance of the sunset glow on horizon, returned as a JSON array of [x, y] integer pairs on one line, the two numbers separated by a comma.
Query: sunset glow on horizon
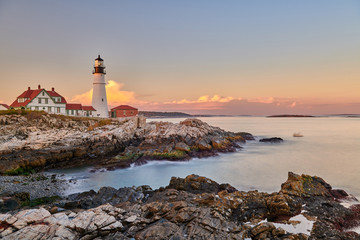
[[204, 57]]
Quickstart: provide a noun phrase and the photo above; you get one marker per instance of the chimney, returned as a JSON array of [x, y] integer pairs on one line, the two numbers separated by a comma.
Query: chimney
[[53, 89], [28, 88], [39, 87]]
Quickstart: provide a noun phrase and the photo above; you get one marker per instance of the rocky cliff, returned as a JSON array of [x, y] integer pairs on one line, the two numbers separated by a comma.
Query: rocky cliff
[[194, 207], [37, 141]]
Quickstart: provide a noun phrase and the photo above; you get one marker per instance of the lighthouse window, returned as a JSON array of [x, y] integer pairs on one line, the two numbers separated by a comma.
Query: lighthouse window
[[102, 99]]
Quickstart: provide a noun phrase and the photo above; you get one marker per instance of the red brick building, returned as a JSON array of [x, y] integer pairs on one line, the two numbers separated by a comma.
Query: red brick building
[[124, 111]]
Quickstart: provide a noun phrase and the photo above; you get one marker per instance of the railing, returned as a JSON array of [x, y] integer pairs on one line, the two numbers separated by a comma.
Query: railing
[[99, 70]]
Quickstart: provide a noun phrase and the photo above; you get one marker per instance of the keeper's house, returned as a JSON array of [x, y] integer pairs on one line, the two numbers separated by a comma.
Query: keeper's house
[[51, 102], [123, 111]]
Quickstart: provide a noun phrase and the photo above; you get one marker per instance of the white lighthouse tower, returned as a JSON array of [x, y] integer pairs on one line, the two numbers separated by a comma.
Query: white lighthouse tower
[[99, 100]]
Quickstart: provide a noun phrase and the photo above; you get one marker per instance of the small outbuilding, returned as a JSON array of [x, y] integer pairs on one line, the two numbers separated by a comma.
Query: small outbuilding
[[4, 106], [123, 111]]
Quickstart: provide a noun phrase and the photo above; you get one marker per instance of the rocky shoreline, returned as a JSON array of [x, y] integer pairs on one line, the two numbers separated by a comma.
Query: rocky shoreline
[[194, 207], [38, 141]]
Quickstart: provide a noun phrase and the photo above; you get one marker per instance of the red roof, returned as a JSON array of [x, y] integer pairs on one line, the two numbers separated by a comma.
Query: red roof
[[55, 94], [31, 94], [88, 108], [73, 106], [124, 107], [4, 105]]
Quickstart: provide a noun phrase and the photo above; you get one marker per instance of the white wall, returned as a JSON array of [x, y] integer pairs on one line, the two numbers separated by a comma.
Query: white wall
[[99, 99], [3, 108], [91, 114], [78, 113]]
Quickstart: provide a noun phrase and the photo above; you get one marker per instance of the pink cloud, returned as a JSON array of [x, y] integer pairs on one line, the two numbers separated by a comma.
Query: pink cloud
[[218, 104], [115, 95]]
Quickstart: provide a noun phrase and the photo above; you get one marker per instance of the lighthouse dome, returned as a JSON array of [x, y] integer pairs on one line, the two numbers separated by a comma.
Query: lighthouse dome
[[99, 58]]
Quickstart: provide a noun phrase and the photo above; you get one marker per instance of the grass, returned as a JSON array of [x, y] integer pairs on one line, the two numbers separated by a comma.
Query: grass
[[21, 171], [27, 113], [101, 123], [176, 154], [130, 156]]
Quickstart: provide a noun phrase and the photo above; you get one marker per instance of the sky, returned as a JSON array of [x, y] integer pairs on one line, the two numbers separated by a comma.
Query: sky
[[249, 57]]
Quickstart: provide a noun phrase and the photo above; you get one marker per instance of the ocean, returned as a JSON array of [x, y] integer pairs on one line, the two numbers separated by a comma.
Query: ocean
[[329, 148]]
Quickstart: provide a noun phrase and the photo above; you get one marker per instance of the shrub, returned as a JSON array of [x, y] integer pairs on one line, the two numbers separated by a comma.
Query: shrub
[[100, 123]]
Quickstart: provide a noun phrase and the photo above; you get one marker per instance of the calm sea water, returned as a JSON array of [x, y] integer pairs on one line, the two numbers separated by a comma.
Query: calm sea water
[[330, 149]]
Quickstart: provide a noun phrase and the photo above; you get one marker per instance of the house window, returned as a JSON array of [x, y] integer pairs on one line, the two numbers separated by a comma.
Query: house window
[[77, 112], [39, 100], [43, 93], [67, 112], [58, 110], [43, 108], [37, 108], [72, 112], [49, 109], [46, 101]]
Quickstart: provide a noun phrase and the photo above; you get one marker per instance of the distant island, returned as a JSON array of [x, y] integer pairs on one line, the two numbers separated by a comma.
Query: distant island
[[148, 114], [289, 115]]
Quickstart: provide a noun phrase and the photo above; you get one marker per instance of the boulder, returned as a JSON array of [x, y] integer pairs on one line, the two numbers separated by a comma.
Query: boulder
[[305, 185], [271, 140], [194, 184], [181, 146]]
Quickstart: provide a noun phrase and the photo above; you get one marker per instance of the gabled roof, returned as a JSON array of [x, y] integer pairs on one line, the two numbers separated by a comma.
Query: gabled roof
[[124, 107], [99, 58], [5, 105], [73, 106], [55, 94], [88, 108], [31, 94]]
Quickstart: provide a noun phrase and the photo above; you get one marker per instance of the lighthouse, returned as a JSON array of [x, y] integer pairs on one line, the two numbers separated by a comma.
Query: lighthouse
[[99, 100]]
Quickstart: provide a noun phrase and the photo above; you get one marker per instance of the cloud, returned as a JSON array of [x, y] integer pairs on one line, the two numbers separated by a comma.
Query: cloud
[[218, 104], [205, 99], [115, 95]]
